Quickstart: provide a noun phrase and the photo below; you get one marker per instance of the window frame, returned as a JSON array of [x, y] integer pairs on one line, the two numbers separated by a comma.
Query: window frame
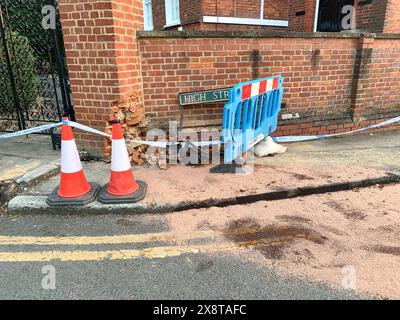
[[148, 9], [169, 5]]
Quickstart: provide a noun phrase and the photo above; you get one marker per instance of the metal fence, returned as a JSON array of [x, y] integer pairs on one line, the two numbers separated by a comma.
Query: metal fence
[[34, 86]]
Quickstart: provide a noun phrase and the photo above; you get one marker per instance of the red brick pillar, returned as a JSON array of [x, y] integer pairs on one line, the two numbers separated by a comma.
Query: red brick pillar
[[103, 59]]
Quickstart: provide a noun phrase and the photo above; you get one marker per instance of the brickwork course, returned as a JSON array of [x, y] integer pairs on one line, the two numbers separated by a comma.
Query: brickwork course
[[334, 82]]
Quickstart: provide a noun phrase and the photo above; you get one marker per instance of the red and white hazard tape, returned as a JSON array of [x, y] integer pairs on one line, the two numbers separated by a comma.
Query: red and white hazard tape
[[162, 144]]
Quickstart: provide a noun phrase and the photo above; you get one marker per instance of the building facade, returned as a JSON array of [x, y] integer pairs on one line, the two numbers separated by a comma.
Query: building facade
[[334, 82], [271, 15]]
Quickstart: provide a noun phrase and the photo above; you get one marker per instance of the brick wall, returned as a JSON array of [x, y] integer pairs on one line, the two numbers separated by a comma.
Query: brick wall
[[301, 15], [330, 82], [190, 14], [392, 19], [276, 9], [273, 9], [371, 16], [103, 58], [192, 11], [379, 90], [158, 7], [379, 16], [333, 82], [318, 72], [374, 16]]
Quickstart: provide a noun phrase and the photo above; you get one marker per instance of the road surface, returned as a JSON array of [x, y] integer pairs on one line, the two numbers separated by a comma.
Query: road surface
[[332, 246]]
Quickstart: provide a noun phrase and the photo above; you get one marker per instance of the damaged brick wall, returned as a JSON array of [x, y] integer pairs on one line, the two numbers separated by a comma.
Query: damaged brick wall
[[109, 61], [130, 112], [103, 59]]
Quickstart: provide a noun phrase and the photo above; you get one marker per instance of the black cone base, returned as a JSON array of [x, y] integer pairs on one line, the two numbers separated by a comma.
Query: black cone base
[[106, 198], [55, 200]]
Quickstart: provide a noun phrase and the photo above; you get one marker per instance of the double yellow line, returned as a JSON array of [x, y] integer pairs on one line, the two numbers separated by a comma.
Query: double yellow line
[[120, 239], [149, 253]]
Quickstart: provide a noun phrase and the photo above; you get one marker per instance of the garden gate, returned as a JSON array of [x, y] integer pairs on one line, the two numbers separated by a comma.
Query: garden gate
[[34, 86]]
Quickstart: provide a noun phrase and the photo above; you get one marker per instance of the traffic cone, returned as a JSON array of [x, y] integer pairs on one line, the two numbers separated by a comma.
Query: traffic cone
[[123, 188], [74, 189]]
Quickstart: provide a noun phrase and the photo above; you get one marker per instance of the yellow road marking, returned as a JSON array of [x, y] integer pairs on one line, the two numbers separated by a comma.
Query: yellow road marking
[[149, 253], [120, 239], [86, 240]]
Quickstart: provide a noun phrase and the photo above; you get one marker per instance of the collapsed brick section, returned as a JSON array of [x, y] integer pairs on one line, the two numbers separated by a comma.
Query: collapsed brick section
[[130, 113]]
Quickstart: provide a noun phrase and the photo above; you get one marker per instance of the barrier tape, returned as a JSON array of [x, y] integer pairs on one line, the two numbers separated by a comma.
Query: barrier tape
[[159, 144], [30, 131], [85, 128], [325, 136], [82, 127], [162, 144]]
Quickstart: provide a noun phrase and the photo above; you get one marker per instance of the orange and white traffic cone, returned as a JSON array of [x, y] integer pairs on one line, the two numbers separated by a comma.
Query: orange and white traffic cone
[[74, 189], [123, 188]]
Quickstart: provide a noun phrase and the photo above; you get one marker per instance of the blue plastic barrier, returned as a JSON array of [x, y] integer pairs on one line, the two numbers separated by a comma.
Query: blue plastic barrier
[[251, 115]]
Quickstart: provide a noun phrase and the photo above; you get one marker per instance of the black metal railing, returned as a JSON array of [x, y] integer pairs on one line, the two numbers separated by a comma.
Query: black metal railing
[[34, 86]]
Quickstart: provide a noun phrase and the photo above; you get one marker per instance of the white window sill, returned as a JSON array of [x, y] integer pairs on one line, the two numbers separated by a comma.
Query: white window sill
[[246, 21], [149, 28], [174, 24]]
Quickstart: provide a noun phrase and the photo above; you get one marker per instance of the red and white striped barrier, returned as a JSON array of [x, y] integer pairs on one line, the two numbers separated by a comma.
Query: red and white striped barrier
[[257, 88]]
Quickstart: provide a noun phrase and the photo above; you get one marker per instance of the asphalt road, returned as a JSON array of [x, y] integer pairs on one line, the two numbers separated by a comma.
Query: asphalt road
[[94, 270]]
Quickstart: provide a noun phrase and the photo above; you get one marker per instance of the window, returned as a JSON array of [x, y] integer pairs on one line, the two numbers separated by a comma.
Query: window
[[331, 17], [172, 12], [148, 15]]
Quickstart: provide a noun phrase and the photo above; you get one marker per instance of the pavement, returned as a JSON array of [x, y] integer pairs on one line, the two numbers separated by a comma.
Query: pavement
[[307, 168], [26, 161]]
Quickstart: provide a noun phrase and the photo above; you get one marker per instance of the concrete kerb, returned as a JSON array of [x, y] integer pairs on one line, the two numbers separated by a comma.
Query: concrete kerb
[[38, 205], [38, 175], [12, 187]]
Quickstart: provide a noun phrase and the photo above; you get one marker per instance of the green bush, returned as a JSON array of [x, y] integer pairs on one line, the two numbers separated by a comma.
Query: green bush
[[25, 17], [23, 65]]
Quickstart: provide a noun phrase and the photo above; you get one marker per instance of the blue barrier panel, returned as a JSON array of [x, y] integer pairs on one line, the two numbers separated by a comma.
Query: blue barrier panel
[[250, 115]]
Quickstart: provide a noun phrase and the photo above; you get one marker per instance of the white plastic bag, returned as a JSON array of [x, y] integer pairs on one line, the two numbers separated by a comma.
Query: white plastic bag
[[268, 147]]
